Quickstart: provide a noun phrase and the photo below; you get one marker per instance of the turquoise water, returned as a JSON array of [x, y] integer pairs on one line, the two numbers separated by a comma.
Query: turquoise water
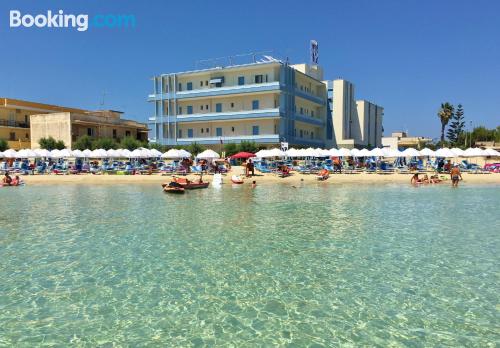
[[315, 266]]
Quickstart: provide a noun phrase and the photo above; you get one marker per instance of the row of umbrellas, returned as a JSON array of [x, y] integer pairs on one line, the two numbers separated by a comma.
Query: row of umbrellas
[[210, 154], [378, 152]]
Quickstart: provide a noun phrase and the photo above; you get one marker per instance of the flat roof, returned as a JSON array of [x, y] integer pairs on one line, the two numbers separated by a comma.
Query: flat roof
[[219, 68]]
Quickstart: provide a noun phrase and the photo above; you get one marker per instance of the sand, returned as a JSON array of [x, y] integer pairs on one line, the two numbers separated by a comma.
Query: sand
[[261, 179]]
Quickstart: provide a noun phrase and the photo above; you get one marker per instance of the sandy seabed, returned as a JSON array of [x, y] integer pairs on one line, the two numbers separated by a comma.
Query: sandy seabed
[[295, 178]]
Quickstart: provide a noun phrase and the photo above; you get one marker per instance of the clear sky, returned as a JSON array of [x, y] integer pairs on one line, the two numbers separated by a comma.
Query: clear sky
[[406, 55]]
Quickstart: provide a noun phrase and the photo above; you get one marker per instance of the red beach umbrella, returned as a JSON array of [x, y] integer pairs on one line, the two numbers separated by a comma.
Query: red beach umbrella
[[243, 155]]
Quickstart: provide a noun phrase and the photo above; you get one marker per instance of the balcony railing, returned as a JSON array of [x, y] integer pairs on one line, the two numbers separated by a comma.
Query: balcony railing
[[9, 123]]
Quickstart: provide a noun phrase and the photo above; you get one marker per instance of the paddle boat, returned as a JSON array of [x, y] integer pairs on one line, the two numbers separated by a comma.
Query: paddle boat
[[174, 187], [187, 184], [236, 179]]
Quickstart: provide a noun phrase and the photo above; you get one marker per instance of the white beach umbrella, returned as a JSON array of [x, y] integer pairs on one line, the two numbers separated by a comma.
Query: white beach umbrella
[[42, 153], [427, 152], [276, 153], [99, 153], [292, 152], [172, 153], [334, 152], [458, 152], [26, 153], [474, 152], [344, 152], [1, 154], [112, 153], [154, 153], [137, 153], [444, 152], [364, 153], [411, 152], [492, 152], [208, 154], [392, 153], [125, 153], [310, 152], [87, 153], [377, 152], [65, 153], [55, 153], [261, 153], [185, 154], [10, 153], [77, 154], [356, 153]]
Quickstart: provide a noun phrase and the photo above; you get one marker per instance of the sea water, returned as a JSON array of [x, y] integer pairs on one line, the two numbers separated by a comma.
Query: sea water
[[307, 266]]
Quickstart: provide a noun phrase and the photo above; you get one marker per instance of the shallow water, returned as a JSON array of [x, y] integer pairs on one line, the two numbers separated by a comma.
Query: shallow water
[[307, 267]]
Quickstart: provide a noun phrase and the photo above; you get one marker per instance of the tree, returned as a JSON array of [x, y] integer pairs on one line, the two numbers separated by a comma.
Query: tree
[[230, 149], [248, 146], [445, 114], [130, 143], [50, 144], [104, 143], [483, 134], [4, 145], [195, 148], [60, 145], [83, 143], [457, 126]]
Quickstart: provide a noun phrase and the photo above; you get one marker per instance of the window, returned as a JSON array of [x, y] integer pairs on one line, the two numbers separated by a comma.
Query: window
[[301, 111], [27, 136], [232, 129], [189, 86], [127, 133], [206, 83], [180, 133], [255, 104], [180, 110], [232, 105], [201, 107], [255, 130], [218, 107], [201, 83], [241, 80], [189, 109], [259, 79], [312, 135], [90, 132], [12, 136], [312, 113], [207, 130], [190, 133], [202, 131], [218, 132], [114, 133], [301, 133], [206, 107], [180, 87], [26, 119]]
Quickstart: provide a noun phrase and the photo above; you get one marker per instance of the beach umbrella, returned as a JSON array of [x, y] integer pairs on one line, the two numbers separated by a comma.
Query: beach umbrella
[[26, 153], [261, 153], [125, 153], [208, 154], [87, 153], [458, 152], [492, 152], [99, 153], [411, 152], [42, 153], [1, 154], [172, 153], [10, 153], [344, 152], [292, 153], [427, 152], [139, 153], [392, 153], [65, 153], [154, 153], [444, 152], [310, 152], [276, 153], [474, 152], [240, 155], [55, 153], [356, 153], [112, 153], [334, 152], [377, 152], [77, 154], [185, 154], [364, 153]]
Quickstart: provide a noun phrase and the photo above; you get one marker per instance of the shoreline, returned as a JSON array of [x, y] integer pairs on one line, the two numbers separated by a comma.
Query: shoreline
[[261, 179]]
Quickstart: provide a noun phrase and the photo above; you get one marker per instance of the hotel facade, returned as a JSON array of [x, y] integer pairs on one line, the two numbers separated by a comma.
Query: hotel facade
[[267, 102]]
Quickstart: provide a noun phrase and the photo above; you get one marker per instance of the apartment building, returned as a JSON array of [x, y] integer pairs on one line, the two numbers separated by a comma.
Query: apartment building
[[266, 102]]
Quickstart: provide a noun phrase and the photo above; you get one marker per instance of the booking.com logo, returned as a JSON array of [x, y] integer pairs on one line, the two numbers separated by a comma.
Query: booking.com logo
[[59, 19]]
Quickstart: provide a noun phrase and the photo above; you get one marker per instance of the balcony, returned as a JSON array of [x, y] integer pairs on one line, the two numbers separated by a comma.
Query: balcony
[[219, 91], [309, 96], [308, 119], [263, 139], [14, 124], [236, 115]]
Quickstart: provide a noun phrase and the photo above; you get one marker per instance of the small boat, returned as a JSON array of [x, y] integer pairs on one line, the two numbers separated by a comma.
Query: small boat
[[173, 189], [236, 179], [187, 184]]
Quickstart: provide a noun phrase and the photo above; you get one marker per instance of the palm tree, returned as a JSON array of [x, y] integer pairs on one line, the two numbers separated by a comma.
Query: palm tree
[[445, 114]]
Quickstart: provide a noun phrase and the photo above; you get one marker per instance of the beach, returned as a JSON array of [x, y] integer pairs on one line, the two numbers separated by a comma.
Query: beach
[[261, 179]]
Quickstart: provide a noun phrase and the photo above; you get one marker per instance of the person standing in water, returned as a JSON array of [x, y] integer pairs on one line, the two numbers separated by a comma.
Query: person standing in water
[[456, 176]]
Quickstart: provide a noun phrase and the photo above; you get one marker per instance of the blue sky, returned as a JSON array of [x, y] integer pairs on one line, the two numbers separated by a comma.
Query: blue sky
[[408, 56]]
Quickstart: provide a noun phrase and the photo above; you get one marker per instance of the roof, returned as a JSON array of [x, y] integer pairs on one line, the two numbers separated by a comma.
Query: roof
[[219, 68], [20, 104]]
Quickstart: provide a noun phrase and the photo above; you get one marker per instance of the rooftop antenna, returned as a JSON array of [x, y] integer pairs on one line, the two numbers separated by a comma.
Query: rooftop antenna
[[314, 52], [102, 102]]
